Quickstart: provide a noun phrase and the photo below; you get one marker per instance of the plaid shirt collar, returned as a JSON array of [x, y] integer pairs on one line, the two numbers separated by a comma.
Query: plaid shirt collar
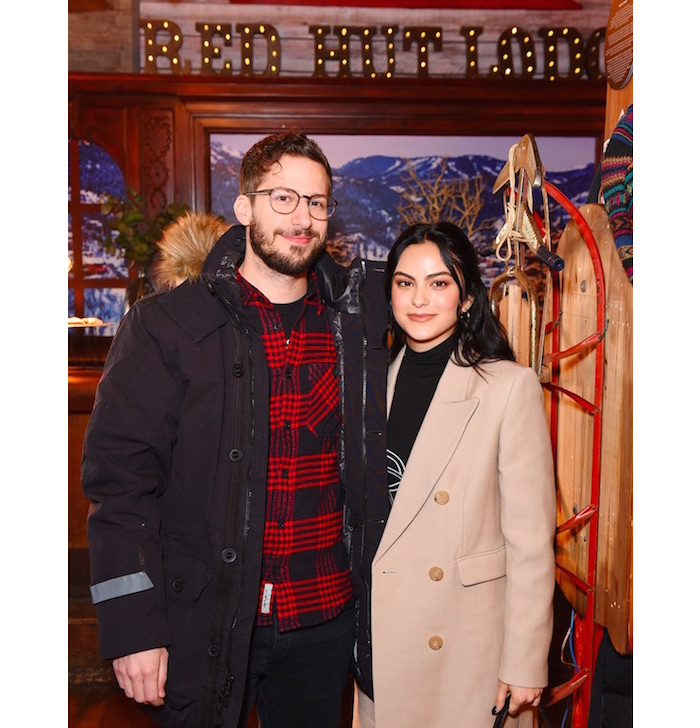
[[250, 294]]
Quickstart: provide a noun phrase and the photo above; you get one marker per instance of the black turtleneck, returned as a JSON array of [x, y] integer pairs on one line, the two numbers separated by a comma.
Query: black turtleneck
[[416, 382]]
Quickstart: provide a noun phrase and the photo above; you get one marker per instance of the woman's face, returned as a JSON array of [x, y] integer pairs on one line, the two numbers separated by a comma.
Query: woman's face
[[425, 297]]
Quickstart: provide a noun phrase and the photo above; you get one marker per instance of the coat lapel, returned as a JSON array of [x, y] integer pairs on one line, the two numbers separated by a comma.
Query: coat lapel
[[442, 430]]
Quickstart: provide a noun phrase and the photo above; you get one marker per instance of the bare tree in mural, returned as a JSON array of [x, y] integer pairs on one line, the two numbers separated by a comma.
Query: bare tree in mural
[[434, 198]]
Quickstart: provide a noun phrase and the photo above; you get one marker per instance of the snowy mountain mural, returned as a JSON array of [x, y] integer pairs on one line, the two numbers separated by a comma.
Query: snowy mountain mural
[[370, 190]]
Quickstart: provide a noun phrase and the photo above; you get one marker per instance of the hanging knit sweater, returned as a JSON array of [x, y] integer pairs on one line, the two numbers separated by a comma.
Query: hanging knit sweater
[[616, 188]]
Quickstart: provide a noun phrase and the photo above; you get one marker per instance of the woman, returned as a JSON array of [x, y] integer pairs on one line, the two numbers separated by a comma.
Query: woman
[[463, 577]]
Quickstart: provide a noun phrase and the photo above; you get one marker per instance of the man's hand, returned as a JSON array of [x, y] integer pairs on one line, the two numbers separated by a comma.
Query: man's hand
[[142, 675]]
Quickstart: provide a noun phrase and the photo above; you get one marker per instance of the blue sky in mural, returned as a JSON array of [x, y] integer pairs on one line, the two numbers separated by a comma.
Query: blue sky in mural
[[556, 153]]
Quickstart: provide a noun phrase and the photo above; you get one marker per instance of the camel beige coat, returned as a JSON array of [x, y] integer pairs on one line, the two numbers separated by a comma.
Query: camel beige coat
[[463, 578]]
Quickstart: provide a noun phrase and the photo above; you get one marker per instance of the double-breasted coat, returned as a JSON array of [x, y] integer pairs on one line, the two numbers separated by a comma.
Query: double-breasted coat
[[463, 578]]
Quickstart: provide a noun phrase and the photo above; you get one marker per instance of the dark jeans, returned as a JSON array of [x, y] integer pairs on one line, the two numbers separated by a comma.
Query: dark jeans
[[611, 693], [298, 677]]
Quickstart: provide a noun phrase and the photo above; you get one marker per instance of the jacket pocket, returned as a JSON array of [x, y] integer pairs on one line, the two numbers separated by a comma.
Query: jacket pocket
[[482, 567], [186, 576]]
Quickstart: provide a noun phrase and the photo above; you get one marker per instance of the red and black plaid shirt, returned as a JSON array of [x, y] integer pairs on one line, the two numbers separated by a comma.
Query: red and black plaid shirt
[[305, 574]]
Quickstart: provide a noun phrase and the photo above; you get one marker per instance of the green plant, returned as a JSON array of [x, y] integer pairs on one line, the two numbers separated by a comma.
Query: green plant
[[136, 235]]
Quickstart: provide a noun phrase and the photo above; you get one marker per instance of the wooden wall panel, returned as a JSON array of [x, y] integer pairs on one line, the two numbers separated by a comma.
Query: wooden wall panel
[[158, 126]]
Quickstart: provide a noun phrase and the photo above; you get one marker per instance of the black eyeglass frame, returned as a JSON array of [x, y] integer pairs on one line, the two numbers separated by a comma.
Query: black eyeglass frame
[[333, 203]]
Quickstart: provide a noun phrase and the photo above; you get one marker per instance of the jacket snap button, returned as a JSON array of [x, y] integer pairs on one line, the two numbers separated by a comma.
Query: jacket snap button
[[436, 573], [441, 497], [435, 642], [178, 584], [228, 555], [214, 650], [237, 370], [235, 455]]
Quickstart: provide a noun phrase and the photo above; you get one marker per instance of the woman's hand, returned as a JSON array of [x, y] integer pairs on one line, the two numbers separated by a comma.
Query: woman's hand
[[519, 697]]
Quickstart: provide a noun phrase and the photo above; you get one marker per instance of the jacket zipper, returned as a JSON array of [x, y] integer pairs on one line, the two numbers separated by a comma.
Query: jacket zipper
[[220, 295]]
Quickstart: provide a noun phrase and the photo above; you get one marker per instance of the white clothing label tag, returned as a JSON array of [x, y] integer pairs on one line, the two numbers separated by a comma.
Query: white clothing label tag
[[266, 599]]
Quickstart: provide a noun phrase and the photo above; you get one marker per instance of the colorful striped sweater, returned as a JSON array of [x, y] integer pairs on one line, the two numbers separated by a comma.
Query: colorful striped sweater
[[616, 188]]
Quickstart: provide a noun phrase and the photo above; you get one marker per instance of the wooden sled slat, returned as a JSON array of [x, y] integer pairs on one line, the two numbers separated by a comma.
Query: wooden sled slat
[[575, 429], [613, 607]]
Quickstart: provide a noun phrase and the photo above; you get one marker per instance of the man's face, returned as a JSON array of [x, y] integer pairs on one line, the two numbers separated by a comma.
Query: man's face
[[289, 244]]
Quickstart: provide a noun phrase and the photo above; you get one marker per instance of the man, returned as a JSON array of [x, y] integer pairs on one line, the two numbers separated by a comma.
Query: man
[[233, 411]]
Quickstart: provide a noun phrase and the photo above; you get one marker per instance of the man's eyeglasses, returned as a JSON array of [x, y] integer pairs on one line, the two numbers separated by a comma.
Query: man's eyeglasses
[[285, 201]]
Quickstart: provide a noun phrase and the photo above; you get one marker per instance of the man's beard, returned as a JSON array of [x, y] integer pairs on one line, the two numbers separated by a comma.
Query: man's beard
[[294, 262]]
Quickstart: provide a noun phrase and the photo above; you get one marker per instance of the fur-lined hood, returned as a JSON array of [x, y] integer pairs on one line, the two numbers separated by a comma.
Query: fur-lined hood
[[184, 247]]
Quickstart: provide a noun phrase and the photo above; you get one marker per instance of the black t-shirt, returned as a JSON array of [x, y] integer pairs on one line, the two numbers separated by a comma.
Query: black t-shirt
[[416, 382], [289, 313]]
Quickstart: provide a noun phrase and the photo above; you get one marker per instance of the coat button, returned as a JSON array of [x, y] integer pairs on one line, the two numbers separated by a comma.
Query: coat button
[[228, 555], [235, 455], [441, 497], [214, 650], [436, 573], [237, 370], [178, 584], [435, 642]]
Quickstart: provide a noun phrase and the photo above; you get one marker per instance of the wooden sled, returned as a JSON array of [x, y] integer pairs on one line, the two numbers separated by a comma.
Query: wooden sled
[[583, 355], [576, 456]]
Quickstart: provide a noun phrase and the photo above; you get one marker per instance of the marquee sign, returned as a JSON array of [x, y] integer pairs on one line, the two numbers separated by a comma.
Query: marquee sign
[[371, 51]]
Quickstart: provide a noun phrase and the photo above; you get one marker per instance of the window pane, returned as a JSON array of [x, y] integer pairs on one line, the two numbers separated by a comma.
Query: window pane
[[97, 263], [107, 304], [99, 174], [70, 247]]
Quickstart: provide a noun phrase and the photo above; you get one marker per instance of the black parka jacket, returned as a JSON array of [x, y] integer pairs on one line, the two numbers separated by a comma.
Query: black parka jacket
[[174, 464]]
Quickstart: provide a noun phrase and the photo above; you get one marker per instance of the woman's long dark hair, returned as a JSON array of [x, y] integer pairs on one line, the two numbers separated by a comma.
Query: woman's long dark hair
[[479, 336]]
